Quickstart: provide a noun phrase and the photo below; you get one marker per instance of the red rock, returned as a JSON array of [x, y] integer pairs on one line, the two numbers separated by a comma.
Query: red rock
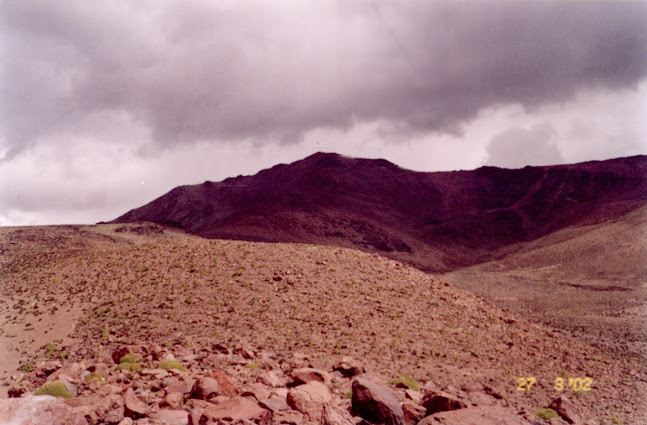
[[156, 373], [441, 402], [309, 399], [237, 408], [205, 388], [180, 385], [348, 367], [110, 409], [288, 417], [480, 415], [227, 387], [70, 372], [256, 390], [274, 404], [174, 400], [172, 417], [195, 414], [198, 403], [46, 368], [118, 354], [134, 407], [270, 379], [333, 415], [375, 403], [566, 410], [307, 374], [39, 410], [413, 412]]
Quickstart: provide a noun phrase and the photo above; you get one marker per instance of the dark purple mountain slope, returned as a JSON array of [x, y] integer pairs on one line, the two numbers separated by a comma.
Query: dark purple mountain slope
[[436, 221]]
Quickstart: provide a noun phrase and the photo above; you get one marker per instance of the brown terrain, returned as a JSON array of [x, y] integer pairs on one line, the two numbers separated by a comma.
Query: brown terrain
[[547, 280]]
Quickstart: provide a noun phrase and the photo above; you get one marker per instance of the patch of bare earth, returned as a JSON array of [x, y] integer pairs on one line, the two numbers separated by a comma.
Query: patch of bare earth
[[142, 284]]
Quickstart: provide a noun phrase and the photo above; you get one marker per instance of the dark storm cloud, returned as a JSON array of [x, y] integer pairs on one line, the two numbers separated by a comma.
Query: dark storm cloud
[[201, 70]]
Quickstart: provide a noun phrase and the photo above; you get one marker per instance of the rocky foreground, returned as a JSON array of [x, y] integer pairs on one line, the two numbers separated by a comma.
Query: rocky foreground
[[72, 296], [154, 385]]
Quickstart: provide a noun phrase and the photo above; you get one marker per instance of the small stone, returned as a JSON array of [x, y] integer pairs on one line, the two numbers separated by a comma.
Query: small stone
[[335, 416], [413, 412], [441, 402], [307, 374], [270, 379], [348, 367], [204, 388], [480, 415], [274, 404], [134, 407], [227, 387], [565, 409], [235, 409], [172, 417], [174, 400]]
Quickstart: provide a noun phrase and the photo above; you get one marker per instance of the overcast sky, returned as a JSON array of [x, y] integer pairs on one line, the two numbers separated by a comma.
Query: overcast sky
[[106, 105]]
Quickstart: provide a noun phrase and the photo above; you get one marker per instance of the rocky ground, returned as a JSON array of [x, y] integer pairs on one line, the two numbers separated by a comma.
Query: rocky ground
[[154, 385], [77, 294]]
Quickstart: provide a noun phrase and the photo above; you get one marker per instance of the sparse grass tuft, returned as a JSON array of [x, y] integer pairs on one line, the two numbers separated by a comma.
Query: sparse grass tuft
[[545, 414], [26, 367], [406, 382], [128, 358], [54, 389], [133, 367], [252, 366], [172, 364], [94, 377]]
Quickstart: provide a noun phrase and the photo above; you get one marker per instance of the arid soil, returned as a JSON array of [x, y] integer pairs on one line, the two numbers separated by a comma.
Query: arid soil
[[81, 292], [590, 281]]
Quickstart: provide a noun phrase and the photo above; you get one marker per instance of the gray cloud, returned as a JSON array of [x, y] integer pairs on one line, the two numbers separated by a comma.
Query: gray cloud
[[518, 147], [201, 70], [192, 71]]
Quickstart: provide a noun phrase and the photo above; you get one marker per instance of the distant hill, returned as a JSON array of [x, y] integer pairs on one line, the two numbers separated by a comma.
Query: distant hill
[[436, 221]]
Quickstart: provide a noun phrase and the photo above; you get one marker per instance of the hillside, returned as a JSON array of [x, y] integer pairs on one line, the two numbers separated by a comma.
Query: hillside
[[588, 280], [82, 292], [435, 221]]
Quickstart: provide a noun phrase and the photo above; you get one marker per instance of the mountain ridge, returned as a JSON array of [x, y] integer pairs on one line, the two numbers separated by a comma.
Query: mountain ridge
[[437, 221]]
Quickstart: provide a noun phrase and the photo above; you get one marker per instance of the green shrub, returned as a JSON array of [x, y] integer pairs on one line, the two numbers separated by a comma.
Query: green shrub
[[55, 389], [133, 367], [406, 381], [545, 414], [128, 358], [172, 364], [94, 377], [252, 366], [27, 367]]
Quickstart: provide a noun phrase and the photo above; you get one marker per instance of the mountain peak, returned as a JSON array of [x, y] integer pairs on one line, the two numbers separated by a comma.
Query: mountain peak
[[436, 221]]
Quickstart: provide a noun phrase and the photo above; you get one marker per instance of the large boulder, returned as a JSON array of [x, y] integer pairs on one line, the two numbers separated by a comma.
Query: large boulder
[[39, 410], [375, 403]]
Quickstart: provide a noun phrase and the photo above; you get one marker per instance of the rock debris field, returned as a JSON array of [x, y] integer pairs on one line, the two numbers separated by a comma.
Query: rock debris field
[[274, 334]]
